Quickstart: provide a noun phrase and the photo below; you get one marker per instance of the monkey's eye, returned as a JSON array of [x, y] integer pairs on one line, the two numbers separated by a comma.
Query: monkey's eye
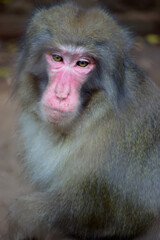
[[82, 63], [57, 58]]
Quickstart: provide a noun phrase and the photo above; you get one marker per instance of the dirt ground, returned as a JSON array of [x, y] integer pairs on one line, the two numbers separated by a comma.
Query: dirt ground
[[147, 56]]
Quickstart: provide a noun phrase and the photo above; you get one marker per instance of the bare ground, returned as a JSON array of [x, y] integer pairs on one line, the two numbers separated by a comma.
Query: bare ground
[[147, 56]]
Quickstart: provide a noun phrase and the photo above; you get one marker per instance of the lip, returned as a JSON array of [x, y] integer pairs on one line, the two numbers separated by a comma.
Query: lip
[[55, 111]]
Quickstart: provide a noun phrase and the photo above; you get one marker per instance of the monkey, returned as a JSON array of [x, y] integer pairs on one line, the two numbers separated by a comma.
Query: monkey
[[90, 128]]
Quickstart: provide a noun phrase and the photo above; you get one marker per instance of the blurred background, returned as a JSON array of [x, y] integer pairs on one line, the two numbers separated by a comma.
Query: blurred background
[[142, 17]]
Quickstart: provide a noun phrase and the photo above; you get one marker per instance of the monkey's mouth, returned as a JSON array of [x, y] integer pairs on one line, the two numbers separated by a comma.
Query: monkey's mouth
[[56, 115]]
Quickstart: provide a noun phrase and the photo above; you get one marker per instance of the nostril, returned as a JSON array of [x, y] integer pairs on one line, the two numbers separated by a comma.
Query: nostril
[[61, 95]]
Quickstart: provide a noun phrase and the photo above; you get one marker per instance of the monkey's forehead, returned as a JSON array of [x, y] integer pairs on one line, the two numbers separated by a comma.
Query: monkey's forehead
[[68, 22]]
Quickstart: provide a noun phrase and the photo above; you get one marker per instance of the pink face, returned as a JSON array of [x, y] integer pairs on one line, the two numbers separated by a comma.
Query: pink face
[[67, 72]]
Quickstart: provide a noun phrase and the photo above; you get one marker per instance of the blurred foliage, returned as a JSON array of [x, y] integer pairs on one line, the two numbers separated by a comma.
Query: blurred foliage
[[5, 1], [153, 38], [12, 47], [5, 72]]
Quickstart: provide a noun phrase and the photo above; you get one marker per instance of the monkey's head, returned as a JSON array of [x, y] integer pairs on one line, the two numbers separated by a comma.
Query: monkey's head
[[68, 54]]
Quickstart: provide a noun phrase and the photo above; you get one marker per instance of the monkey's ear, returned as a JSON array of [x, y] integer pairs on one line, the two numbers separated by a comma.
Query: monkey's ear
[[127, 78], [128, 38], [113, 64], [123, 63], [111, 72], [115, 83], [119, 78]]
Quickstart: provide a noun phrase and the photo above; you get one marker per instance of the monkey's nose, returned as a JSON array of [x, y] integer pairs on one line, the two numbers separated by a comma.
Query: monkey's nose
[[62, 91], [61, 95]]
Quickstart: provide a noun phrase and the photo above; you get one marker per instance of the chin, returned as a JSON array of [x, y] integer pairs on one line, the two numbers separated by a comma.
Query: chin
[[57, 117]]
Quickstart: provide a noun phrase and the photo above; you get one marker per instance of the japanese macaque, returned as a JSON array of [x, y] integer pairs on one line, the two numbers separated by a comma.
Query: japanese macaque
[[90, 126]]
